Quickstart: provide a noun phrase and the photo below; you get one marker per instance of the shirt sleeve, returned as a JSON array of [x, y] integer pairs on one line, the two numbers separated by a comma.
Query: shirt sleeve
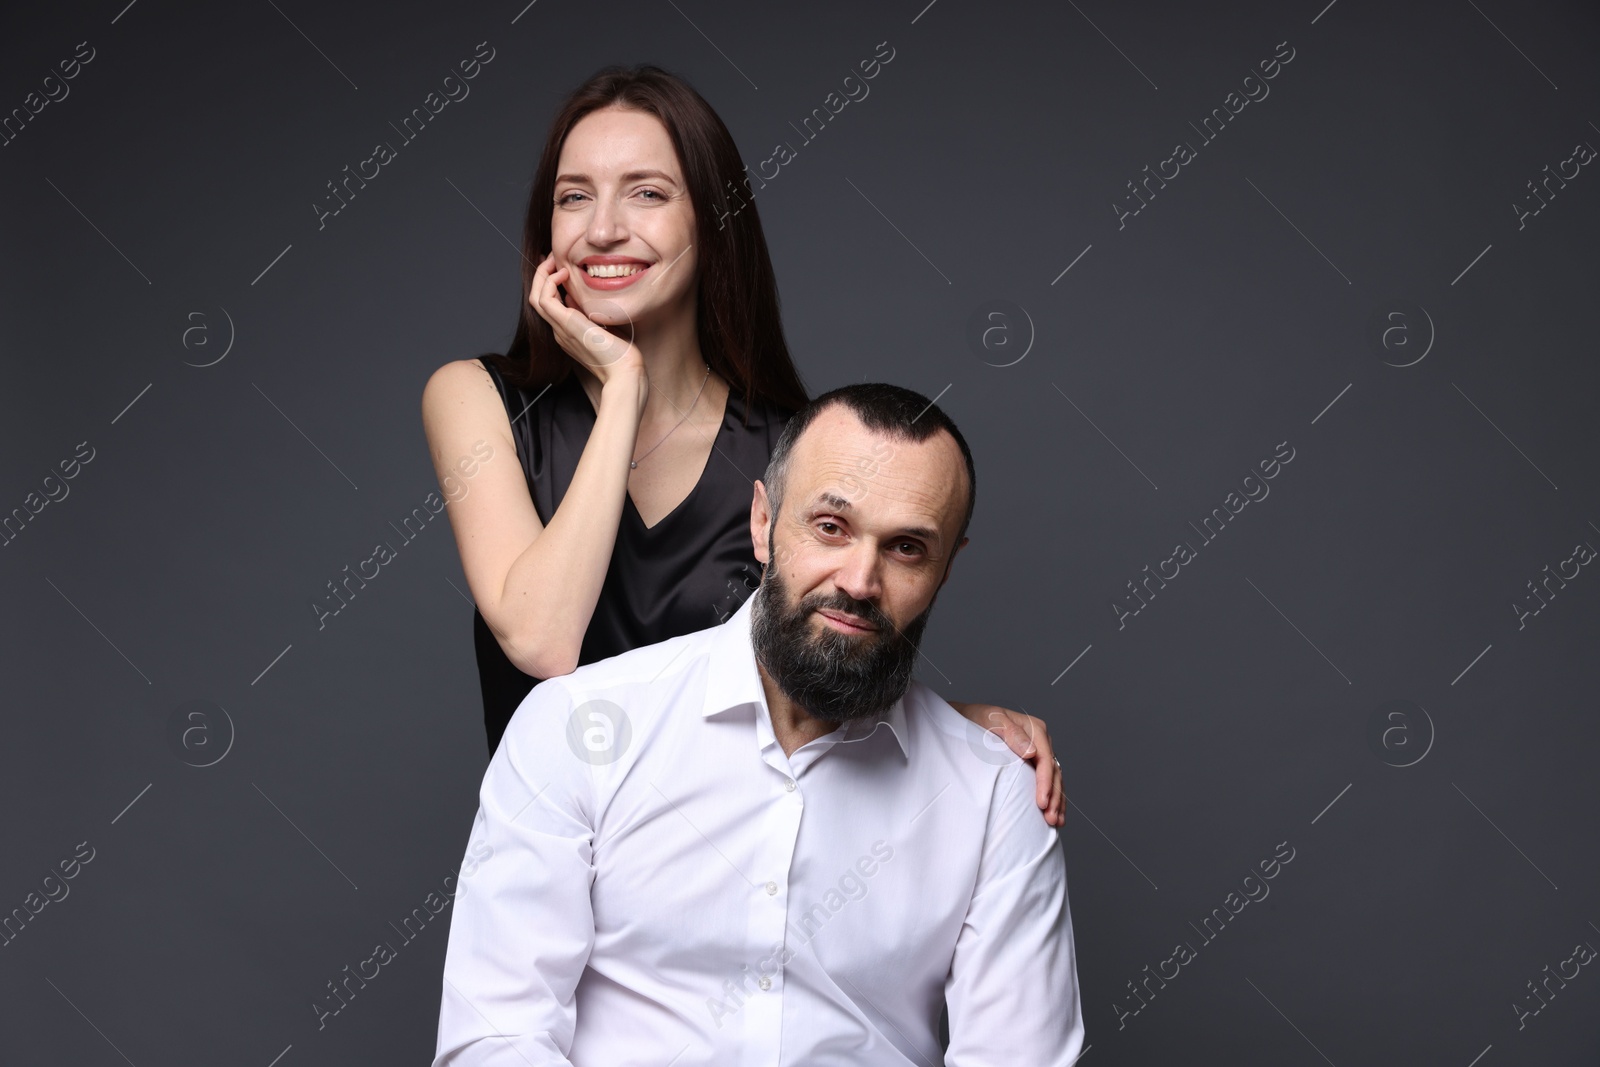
[[523, 924], [1012, 991]]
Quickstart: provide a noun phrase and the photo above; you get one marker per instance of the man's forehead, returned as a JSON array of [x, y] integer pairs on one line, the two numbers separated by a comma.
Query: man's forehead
[[839, 462]]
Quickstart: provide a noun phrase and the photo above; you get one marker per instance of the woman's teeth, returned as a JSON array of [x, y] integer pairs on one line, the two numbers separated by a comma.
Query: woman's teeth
[[613, 270]]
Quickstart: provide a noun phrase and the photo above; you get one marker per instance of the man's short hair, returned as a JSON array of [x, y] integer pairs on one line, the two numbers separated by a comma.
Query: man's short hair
[[903, 414]]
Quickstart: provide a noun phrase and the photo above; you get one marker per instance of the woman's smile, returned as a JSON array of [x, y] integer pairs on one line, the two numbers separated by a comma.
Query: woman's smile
[[609, 273]]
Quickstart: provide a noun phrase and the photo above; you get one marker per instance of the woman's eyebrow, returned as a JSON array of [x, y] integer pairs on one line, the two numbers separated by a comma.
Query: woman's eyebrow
[[631, 176]]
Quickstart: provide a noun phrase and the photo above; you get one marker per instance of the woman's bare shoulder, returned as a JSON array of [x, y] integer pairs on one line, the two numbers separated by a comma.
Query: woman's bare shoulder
[[457, 379], [461, 391]]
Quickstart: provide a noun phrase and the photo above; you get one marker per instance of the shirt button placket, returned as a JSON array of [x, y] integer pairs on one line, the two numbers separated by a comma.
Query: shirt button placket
[[771, 914]]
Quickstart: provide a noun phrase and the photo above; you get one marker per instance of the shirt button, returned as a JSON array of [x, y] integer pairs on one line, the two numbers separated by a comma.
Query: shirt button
[[789, 784], [772, 890], [766, 983]]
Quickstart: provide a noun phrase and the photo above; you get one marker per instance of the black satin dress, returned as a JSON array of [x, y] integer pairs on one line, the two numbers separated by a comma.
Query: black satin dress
[[692, 569]]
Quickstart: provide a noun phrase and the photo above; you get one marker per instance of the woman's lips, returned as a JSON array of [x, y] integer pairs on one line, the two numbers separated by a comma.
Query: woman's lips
[[608, 284]]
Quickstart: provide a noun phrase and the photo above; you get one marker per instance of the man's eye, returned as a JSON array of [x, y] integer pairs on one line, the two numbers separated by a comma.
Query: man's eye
[[823, 526]]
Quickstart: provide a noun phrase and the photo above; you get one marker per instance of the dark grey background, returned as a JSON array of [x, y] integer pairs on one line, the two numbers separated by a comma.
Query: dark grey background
[[1233, 313]]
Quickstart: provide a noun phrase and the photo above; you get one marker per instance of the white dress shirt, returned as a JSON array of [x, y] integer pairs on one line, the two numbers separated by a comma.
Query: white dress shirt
[[651, 881]]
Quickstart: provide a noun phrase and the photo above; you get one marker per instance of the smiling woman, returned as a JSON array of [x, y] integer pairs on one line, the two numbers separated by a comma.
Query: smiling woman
[[646, 383], [644, 390]]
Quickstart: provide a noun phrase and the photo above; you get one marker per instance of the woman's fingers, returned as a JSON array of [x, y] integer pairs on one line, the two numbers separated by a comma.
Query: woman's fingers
[[1052, 795], [1046, 760], [1014, 728], [549, 303], [1028, 737], [1044, 779], [545, 297], [541, 272], [1057, 815]]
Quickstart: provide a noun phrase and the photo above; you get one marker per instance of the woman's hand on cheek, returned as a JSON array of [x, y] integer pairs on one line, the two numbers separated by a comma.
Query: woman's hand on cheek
[[600, 350]]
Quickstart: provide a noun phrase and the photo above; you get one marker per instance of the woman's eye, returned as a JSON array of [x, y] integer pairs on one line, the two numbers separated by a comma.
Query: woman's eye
[[565, 197], [652, 192]]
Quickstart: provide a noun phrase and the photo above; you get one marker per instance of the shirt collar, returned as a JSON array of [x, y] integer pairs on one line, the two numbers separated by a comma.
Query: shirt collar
[[733, 681]]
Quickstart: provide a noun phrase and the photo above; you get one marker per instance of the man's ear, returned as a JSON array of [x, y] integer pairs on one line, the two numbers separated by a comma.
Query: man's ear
[[760, 523]]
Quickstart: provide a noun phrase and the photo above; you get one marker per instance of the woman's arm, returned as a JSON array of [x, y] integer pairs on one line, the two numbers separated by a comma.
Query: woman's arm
[[1028, 737], [535, 585]]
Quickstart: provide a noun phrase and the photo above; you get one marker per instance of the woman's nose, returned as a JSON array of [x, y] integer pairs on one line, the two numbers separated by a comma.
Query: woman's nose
[[606, 223]]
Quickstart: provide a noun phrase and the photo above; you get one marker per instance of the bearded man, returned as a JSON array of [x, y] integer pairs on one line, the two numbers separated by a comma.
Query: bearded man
[[765, 842]]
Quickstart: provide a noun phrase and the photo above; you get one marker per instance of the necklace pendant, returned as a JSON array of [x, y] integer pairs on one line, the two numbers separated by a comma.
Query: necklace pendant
[[632, 464]]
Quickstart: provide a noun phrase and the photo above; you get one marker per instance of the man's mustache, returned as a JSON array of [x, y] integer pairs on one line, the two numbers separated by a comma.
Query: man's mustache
[[848, 605]]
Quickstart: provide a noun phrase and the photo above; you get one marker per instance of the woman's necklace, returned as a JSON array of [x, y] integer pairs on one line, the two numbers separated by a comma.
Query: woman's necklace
[[634, 463]]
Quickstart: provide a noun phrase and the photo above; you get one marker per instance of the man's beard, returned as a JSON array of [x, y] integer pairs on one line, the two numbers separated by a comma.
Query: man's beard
[[835, 676]]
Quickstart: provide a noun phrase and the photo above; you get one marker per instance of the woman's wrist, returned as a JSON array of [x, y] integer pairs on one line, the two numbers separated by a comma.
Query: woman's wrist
[[625, 387]]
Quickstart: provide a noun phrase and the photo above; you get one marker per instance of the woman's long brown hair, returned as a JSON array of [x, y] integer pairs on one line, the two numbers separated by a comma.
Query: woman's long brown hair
[[739, 327]]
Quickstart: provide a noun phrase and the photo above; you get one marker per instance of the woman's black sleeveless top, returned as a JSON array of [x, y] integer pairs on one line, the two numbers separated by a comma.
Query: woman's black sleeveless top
[[692, 569]]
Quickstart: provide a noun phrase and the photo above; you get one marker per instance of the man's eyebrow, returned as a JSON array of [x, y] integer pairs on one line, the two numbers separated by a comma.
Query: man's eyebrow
[[631, 176], [838, 503]]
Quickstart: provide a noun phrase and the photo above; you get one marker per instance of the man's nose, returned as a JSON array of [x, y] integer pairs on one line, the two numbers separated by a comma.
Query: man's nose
[[858, 574]]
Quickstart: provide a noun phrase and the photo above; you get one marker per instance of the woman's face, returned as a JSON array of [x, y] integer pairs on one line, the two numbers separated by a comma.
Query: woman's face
[[622, 212]]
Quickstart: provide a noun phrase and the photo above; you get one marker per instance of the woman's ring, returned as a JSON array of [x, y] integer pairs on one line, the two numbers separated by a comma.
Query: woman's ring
[[1055, 761]]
